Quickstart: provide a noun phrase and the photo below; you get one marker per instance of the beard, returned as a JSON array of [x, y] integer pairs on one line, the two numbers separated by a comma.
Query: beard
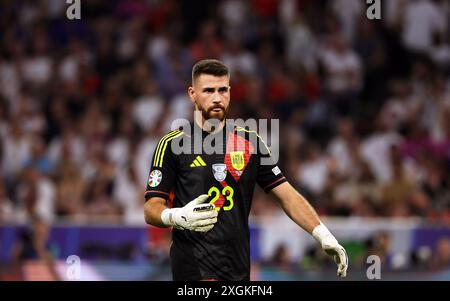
[[213, 112]]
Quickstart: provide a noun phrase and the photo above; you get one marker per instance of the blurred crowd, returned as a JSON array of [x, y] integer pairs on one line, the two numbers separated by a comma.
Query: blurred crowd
[[432, 258], [364, 105]]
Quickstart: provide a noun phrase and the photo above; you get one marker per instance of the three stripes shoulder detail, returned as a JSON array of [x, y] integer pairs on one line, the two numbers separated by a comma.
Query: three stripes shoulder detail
[[162, 145]]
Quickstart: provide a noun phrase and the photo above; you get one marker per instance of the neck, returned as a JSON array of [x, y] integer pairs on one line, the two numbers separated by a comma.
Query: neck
[[207, 126]]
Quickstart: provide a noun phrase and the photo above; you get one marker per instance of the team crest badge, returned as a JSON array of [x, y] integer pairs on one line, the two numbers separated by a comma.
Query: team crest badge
[[155, 178], [237, 160], [219, 171]]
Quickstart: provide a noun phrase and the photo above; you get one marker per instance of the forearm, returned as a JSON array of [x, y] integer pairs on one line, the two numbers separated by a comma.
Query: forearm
[[152, 211], [297, 207], [302, 213]]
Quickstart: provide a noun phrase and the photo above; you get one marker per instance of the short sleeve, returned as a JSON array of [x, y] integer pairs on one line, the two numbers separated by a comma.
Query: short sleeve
[[163, 169], [269, 174]]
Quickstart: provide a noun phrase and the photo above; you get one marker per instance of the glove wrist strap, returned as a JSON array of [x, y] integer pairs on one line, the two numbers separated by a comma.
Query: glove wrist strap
[[322, 234], [167, 217]]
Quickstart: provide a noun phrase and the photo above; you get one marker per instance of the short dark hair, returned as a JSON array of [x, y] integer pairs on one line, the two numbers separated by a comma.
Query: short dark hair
[[211, 67]]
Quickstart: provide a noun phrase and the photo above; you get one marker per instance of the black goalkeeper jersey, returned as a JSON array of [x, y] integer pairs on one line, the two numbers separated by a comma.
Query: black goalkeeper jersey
[[229, 179]]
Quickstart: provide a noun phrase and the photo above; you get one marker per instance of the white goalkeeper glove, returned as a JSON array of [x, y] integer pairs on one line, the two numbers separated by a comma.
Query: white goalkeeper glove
[[331, 246], [195, 216]]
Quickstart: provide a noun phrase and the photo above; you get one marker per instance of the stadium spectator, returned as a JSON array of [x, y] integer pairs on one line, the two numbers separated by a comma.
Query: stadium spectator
[[82, 103]]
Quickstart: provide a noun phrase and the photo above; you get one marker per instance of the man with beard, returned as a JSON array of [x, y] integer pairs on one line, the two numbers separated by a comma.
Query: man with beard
[[210, 195]]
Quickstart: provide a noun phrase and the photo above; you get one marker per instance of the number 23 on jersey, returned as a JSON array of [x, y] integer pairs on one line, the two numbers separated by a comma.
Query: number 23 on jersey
[[226, 193]]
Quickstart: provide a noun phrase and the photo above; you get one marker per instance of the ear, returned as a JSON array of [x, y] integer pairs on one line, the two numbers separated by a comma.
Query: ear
[[191, 93]]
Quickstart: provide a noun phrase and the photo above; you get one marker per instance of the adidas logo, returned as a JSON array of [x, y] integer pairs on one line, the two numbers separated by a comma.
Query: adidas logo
[[198, 161]]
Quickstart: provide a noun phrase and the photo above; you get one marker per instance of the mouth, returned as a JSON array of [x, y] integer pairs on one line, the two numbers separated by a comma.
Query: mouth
[[217, 109]]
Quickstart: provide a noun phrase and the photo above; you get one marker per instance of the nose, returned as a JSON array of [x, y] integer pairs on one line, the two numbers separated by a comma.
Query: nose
[[216, 97]]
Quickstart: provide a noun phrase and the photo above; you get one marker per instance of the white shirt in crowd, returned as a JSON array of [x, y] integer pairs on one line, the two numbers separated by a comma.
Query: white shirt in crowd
[[313, 174], [422, 18], [339, 66], [147, 111], [376, 151]]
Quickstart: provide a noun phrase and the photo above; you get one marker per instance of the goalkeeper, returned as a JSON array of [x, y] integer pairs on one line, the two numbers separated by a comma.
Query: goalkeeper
[[206, 197]]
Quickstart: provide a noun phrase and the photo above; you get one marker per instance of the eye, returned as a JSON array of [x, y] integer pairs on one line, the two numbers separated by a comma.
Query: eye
[[208, 90], [223, 90]]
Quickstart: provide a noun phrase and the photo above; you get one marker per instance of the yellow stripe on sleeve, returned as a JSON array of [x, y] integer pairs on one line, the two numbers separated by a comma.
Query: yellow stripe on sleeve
[[161, 158], [160, 144]]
